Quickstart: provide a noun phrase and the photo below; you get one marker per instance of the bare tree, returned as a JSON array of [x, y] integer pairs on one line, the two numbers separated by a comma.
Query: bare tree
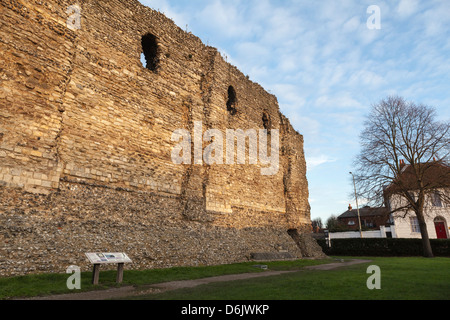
[[402, 147]]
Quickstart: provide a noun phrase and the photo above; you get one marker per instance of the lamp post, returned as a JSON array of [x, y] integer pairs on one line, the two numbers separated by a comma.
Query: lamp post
[[357, 206]]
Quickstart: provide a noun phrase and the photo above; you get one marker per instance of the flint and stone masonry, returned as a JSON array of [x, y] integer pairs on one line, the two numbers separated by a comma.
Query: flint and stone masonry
[[85, 145]]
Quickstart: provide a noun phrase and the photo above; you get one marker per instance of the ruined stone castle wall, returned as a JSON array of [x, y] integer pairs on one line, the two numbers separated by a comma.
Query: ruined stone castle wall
[[86, 141]]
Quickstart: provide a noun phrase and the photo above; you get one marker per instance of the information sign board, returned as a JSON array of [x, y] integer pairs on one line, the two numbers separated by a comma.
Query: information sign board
[[102, 258], [108, 258]]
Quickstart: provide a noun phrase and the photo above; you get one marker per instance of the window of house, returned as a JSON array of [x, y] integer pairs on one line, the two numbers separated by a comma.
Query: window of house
[[351, 223], [232, 101], [414, 224], [436, 199], [150, 52]]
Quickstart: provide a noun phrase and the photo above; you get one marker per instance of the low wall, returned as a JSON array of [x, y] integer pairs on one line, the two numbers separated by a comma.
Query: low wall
[[382, 233]]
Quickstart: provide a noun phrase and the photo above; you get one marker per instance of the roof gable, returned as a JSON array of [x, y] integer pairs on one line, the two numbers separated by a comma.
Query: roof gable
[[433, 175]]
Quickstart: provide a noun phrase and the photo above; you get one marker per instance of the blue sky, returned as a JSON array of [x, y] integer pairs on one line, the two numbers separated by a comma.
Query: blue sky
[[327, 68]]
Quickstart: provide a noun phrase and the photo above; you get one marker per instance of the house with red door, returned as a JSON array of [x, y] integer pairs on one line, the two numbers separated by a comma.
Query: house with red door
[[436, 207]]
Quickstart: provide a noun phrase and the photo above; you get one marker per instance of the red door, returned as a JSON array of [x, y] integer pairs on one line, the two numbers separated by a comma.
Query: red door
[[440, 230]]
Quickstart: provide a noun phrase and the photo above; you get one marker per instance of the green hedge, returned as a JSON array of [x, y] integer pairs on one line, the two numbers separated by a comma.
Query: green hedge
[[384, 247]]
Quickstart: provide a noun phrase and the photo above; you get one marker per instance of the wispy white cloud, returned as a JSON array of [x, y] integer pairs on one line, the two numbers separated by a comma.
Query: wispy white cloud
[[314, 162]]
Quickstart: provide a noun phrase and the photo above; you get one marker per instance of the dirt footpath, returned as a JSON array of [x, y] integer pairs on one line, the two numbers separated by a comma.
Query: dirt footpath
[[130, 291]]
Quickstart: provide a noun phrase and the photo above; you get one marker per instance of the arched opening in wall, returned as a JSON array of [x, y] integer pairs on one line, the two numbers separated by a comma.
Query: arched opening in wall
[[295, 235], [149, 55], [232, 101]]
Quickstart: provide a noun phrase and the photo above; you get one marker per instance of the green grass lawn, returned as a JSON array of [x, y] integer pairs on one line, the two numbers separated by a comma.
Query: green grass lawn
[[401, 279], [49, 284]]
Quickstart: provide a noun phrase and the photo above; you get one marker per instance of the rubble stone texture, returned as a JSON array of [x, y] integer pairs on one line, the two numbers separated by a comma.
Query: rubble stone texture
[[86, 141]]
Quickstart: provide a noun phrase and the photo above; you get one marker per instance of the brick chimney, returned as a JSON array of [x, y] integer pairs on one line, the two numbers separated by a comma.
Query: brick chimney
[[350, 207]]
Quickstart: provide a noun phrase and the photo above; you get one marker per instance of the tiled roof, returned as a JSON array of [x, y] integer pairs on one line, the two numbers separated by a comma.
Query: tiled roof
[[365, 212], [435, 175]]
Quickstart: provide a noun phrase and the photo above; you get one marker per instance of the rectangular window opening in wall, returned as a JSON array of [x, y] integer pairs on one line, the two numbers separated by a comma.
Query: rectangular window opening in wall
[[267, 123], [149, 56], [232, 101]]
